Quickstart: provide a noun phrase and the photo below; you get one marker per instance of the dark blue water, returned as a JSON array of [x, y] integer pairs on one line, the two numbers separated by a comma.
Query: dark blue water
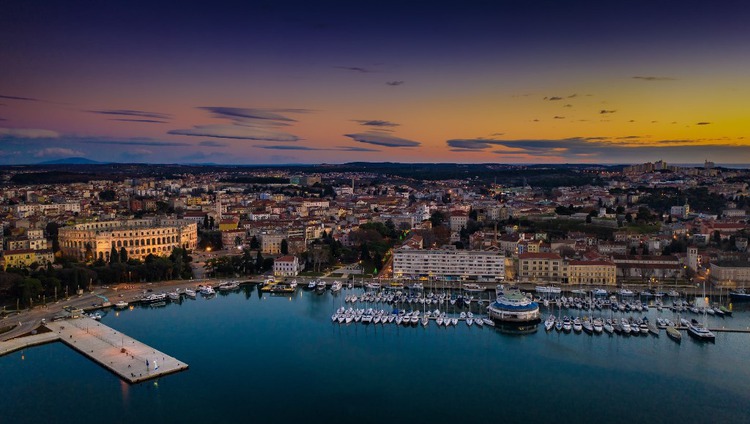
[[281, 360]]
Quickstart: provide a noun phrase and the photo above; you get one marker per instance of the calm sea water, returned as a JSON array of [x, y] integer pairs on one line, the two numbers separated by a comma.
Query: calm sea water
[[276, 359]]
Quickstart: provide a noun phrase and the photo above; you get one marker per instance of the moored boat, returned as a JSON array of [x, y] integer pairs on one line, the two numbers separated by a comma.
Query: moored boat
[[674, 334]]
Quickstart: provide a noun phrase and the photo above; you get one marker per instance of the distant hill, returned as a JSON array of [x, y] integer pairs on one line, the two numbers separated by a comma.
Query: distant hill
[[71, 161]]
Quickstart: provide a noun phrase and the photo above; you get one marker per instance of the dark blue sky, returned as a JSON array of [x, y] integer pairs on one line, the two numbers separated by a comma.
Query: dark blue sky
[[661, 72]]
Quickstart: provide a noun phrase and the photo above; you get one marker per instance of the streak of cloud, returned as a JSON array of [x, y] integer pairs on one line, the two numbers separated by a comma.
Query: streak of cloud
[[27, 99], [27, 133], [382, 139], [132, 113], [139, 143], [141, 121], [354, 69], [652, 78], [375, 123], [394, 83]]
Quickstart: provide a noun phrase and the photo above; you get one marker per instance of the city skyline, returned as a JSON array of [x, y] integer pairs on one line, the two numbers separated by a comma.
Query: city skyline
[[297, 82]]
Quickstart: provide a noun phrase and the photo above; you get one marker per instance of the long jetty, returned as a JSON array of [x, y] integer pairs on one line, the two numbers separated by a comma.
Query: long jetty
[[124, 356]]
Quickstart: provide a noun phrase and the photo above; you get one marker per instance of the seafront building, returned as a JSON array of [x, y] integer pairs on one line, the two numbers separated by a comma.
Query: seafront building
[[449, 264], [139, 237]]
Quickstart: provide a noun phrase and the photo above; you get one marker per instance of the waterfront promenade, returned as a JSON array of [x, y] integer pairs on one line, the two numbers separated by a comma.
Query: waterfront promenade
[[130, 359]]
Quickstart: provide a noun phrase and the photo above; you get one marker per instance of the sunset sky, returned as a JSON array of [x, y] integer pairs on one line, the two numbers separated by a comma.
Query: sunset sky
[[277, 82]]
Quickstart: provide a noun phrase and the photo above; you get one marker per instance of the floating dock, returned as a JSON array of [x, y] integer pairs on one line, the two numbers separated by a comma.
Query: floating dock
[[126, 357]]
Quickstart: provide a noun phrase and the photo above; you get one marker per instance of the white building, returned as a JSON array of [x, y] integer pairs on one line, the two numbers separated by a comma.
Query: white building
[[449, 264], [286, 266]]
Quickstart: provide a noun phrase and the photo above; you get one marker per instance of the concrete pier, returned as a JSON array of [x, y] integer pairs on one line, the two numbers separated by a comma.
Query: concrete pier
[[28, 341], [126, 357]]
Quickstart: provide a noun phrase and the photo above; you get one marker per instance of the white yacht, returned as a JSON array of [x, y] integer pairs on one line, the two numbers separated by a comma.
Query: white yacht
[[336, 286]]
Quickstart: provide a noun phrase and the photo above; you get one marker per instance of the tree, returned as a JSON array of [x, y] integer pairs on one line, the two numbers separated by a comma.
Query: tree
[[107, 195], [364, 252], [114, 257], [284, 247], [52, 230], [238, 241], [89, 251], [123, 255], [211, 222], [254, 243], [437, 218], [377, 261], [390, 228], [259, 262], [205, 221], [628, 217]]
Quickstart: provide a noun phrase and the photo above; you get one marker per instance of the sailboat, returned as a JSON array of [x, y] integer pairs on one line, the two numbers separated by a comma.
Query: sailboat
[[697, 330]]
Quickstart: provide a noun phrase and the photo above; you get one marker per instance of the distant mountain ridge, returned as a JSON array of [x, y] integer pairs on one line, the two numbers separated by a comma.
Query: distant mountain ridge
[[71, 161]]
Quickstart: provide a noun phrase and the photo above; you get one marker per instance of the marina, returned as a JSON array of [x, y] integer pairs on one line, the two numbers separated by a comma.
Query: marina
[[382, 362]]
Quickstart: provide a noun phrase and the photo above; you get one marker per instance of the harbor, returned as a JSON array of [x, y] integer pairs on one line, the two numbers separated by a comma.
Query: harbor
[[129, 359], [248, 342]]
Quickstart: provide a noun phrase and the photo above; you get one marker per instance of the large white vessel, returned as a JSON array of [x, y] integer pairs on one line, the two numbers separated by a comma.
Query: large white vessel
[[548, 289], [514, 308]]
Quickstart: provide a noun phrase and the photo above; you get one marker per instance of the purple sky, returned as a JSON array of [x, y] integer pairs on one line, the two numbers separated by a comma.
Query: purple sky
[[311, 82]]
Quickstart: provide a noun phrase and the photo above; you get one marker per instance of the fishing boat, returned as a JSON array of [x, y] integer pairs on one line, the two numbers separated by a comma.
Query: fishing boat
[[549, 322], [320, 285], [600, 292], [674, 334], [336, 286], [174, 296], [154, 297], [190, 293], [229, 286], [121, 304], [311, 285]]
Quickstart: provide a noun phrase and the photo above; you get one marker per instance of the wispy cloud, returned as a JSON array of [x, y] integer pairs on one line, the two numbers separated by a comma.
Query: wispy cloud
[[703, 123], [235, 132], [132, 113], [558, 117], [253, 114], [27, 133], [141, 121], [394, 83], [353, 69], [246, 124], [57, 152], [139, 143], [606, 111], [28, 99], [288, 147], [212, 143], [553, 98], [382, 139], [375, 123], [356, 149], [603, 148], [653, 78]]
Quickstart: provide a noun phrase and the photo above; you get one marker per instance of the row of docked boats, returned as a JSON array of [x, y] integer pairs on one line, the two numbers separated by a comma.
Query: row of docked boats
[[636, 305], [399, 297], [406, 318], [589, 325]]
